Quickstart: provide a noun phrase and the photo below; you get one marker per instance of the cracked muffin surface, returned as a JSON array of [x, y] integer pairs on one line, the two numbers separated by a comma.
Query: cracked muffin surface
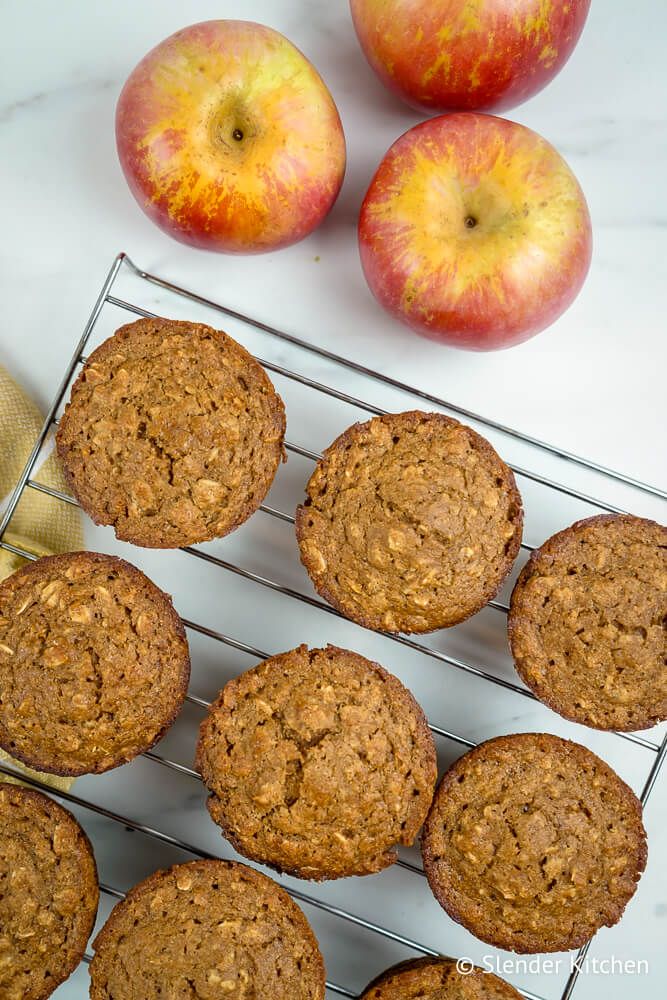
[[173, 433], [207, 929], [48, 893], [411, 522], [533, 843], [587, 622], [437, 979], [318, 762], [94, 663]]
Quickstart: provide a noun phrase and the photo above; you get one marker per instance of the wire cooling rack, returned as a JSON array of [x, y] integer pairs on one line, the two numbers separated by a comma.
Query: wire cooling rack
[[539, 490]]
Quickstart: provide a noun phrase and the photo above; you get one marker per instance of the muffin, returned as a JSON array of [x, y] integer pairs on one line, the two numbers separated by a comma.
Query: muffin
[[94, 664], [437, 979], [173, 434], [533, 843], [48, 894], [319, 763], [587, 622], [411, 522], [207, 929]]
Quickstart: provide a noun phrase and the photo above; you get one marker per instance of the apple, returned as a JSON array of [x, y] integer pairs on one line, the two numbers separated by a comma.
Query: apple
[[468, 55], [474, 231], [229, 139]]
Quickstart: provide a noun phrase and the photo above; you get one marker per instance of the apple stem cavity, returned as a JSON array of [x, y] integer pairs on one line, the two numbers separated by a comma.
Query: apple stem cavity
[[470, 221], [237, 134]]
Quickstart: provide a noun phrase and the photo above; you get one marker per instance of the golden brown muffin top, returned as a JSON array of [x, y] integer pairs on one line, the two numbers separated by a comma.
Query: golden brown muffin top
[[437, 979], [173, 433], [94, 663], [411, 523], [319, 763], [533, 843], [587, 622], [207, 929], [48, 893]]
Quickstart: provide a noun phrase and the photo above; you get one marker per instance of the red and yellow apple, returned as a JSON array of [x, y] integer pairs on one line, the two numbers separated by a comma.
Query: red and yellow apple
[[229, 139], [474, 232], [468, 55]]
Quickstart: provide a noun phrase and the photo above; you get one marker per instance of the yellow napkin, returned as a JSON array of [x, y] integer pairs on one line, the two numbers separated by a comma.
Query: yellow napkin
[[41, 524]]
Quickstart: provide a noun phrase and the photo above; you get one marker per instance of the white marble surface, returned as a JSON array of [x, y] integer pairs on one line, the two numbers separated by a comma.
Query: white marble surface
[[594, 383]]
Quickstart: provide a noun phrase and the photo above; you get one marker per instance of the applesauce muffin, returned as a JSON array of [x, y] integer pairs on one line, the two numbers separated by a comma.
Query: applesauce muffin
[[587, 622], [437, 979], [207, 929], [48, 893], [173, 434], [94, 664], [533, 843], [318, 762], [411, 522]]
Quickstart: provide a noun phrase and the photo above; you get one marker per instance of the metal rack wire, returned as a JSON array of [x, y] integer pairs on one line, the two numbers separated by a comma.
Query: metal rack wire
[[657, 751]]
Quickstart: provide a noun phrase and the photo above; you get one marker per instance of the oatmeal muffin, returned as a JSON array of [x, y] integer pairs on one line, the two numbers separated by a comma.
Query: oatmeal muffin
[[533, 843], [319, 763], [411, 522], [207, 929], [173, 434], [587, 622], [48, 894], [94, 664], [437, 979]]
